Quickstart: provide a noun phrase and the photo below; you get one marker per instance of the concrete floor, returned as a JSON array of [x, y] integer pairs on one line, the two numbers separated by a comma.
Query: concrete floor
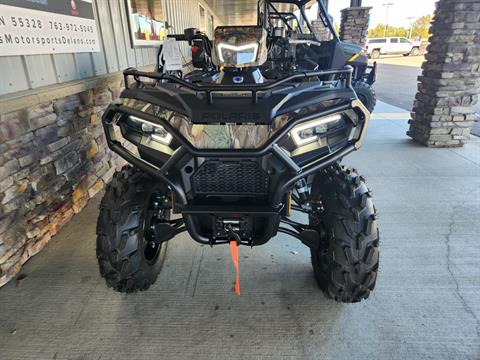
[[426, 304]]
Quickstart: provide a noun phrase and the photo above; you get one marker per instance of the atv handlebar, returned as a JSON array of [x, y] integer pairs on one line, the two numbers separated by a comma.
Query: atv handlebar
[[192, 34], [189, 35], [178, 37]]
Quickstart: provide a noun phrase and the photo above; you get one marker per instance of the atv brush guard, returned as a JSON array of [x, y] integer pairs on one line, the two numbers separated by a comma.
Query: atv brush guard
[[263, 103]]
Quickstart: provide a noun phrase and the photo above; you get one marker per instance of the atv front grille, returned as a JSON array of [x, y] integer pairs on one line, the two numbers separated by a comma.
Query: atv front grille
[[230, 178]]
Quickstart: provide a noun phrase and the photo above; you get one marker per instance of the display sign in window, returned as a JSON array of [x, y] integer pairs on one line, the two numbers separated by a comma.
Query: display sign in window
[[147, 22], [30, 27]]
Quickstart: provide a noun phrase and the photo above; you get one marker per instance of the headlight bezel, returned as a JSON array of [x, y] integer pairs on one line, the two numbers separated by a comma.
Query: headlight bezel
[[155, 131], [312, 124]]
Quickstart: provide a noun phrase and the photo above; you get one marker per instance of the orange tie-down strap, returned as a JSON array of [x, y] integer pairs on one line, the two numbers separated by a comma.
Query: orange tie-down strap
[[234, 250]]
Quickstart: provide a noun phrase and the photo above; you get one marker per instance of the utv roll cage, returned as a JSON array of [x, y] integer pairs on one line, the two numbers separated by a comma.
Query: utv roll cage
[[268, 13]]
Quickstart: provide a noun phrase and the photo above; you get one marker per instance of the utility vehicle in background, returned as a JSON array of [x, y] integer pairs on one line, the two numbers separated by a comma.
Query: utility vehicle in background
[[392, 46], [254, 133]]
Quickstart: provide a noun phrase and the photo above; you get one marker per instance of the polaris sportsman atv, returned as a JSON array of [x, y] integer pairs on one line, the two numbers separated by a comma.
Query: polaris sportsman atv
[[235, 147]]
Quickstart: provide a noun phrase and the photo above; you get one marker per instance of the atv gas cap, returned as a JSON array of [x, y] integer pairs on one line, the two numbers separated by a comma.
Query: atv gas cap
[[238, 79]]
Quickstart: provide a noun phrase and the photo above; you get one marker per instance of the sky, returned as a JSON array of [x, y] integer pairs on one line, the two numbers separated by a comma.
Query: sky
[[398, 12]]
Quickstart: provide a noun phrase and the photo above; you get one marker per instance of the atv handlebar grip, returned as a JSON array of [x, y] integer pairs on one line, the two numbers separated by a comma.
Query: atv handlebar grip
[[178, 37]]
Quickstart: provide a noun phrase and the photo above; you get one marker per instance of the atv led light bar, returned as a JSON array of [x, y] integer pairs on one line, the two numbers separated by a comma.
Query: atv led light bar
[[238, 55], [157, 132], [310, 131]]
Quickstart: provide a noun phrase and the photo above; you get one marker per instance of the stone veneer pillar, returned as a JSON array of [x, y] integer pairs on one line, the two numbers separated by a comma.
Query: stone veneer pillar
[[354, 25], [443, 113], [320, 30]]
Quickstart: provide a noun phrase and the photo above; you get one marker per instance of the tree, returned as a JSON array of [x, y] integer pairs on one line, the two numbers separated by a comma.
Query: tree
[[421, 27], [379, 31], [337, 28]]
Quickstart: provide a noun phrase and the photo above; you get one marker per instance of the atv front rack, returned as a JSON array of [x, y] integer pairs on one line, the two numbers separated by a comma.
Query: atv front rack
[[209, 89], [239, 103]]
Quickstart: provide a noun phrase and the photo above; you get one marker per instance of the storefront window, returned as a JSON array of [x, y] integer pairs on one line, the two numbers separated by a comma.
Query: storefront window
[[147, 22]]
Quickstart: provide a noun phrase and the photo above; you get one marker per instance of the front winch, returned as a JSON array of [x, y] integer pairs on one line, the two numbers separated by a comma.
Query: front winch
[[224, 227]]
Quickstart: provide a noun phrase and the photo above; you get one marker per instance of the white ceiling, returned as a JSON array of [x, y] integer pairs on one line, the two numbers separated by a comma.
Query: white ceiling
[[236, 12]]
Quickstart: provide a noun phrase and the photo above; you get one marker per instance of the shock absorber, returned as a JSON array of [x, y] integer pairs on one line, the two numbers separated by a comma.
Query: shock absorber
[[302, 189]]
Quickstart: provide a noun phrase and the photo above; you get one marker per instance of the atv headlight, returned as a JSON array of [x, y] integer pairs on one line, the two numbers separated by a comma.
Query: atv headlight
[[238, 55], [239, 46], [311, 131], [155, 131]]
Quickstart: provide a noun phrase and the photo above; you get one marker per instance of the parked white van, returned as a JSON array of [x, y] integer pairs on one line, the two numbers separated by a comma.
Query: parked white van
[[391, 45]]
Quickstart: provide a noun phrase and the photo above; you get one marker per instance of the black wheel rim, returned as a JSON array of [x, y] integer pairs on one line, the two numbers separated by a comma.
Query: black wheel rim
[[153, 212]]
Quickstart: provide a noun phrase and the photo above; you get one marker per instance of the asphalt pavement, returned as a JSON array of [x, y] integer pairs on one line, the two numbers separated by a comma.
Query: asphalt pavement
[[397, 85]]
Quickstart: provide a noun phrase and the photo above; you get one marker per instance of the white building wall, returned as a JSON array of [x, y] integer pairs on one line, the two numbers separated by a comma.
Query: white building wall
[[34, 71]]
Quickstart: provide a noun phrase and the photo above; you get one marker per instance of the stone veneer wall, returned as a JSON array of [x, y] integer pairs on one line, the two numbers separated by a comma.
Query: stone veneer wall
[[321, 31], [354, 25], [53, 159], [443, 112]]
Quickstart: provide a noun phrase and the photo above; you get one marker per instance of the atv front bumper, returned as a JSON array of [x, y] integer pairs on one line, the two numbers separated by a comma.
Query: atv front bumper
[[248, 188]]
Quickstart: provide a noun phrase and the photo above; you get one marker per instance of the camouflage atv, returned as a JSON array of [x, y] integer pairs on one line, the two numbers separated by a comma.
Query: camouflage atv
[[253, 134]]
